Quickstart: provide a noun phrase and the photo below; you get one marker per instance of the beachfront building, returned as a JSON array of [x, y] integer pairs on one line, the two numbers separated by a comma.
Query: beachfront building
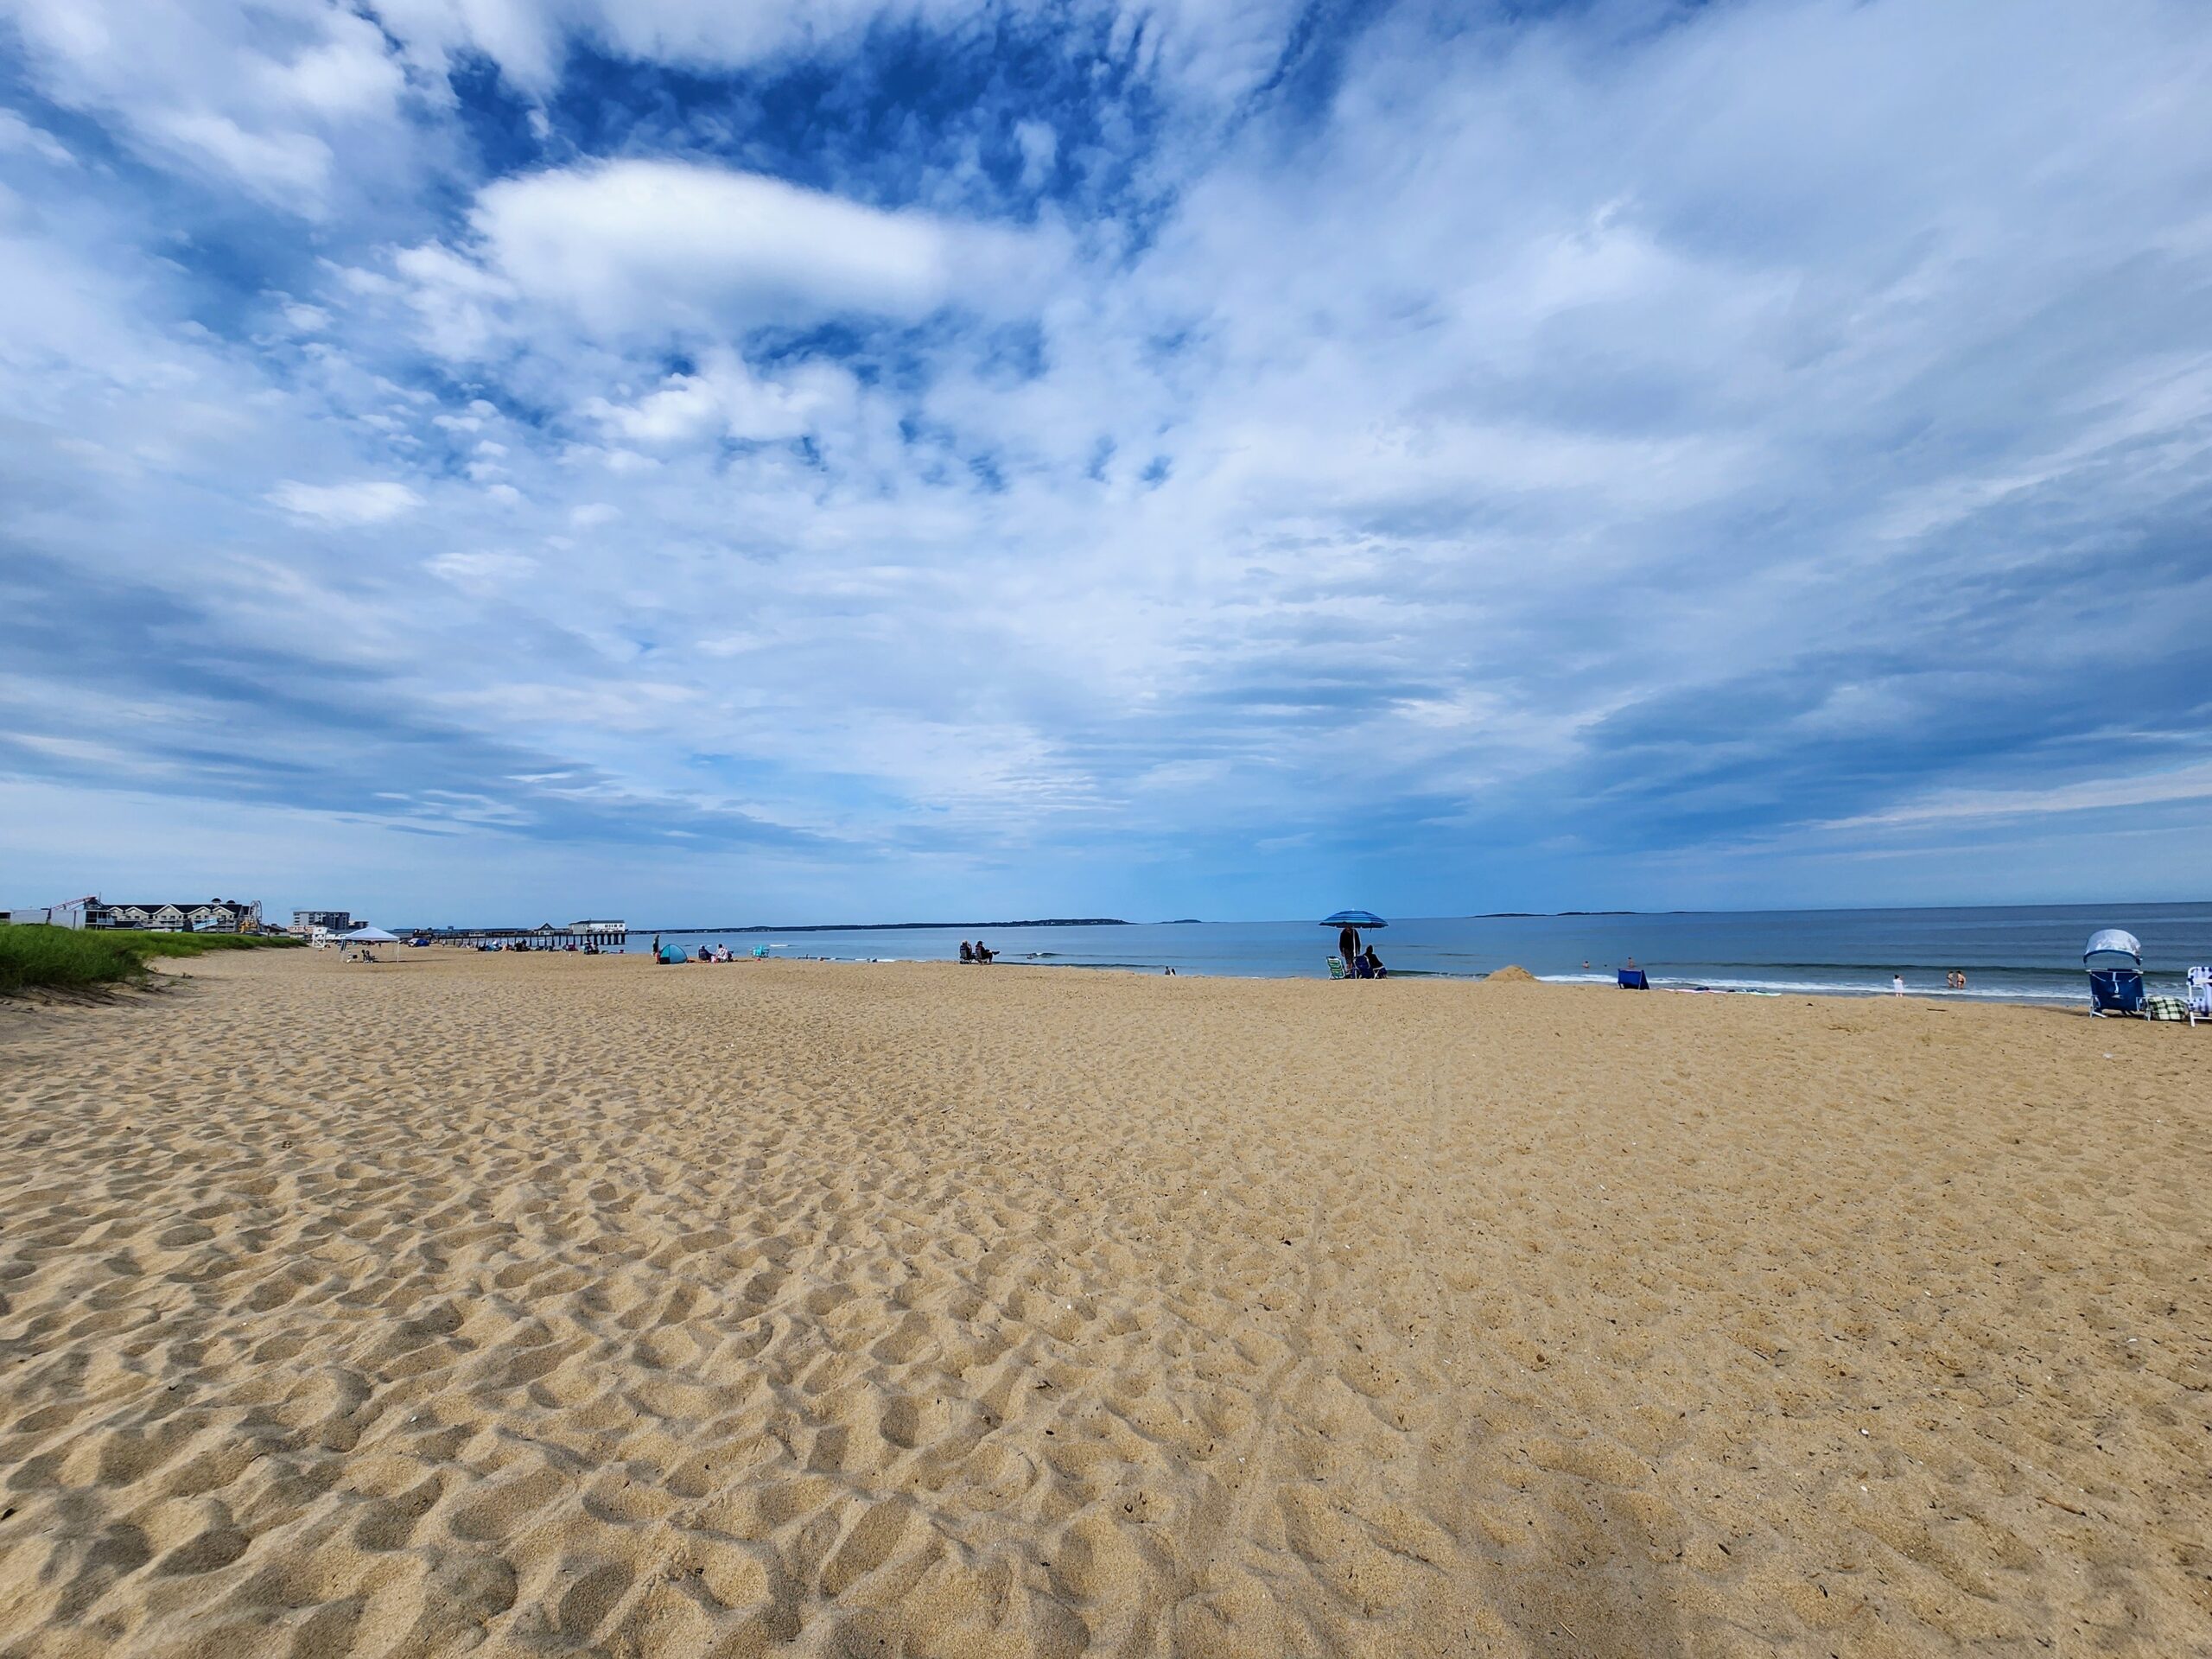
[[70, 912], [305, 922], [215, 916]]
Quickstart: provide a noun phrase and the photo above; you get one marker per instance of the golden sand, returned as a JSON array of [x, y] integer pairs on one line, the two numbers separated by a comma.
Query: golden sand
[[529, 1304]]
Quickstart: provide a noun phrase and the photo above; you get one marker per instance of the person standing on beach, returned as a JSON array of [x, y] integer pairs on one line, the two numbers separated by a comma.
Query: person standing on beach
[[1347, 947], [1896, 984]]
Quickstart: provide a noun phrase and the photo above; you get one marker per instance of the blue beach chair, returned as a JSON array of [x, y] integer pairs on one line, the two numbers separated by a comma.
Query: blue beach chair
[[2114, 962], [2115, 990]]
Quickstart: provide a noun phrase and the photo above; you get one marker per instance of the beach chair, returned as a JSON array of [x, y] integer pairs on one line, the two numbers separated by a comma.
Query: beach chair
[[1633, 979], [1337, 968], [2115, 990], [2200, 995]]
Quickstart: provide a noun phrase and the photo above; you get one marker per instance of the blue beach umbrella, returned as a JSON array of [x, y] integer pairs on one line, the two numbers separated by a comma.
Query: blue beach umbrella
[[1365, 920]]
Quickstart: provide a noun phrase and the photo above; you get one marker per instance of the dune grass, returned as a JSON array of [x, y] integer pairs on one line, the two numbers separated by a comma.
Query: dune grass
[[37, 957]]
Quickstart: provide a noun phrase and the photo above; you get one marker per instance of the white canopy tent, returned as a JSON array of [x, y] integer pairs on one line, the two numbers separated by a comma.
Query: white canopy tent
[[366, 938]]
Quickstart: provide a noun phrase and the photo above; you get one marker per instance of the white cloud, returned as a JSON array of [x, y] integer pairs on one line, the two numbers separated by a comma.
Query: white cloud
[[481, 573], [292, 166], [649, 245], [1196, 49], [1040, 147], [19, 136], [726, 398], [2084, 795], [367, 502], [253, 96]]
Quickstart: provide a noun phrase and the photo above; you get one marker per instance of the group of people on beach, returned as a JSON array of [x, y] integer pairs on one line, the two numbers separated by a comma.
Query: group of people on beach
[[1953, 980], [976, 953], [1358, 963], [671, 954]]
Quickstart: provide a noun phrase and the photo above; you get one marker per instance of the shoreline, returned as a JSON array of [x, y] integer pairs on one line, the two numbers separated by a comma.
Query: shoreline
[[1969, 997]]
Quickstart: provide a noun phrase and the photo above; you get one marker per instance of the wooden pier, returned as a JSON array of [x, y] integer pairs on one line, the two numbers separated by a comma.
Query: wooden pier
[[601, 935]]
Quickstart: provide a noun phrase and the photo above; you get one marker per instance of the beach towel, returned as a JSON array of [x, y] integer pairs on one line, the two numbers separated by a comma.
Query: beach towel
[[2165, 1007]]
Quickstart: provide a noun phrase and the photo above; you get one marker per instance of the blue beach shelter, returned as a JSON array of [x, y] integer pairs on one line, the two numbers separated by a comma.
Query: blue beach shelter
[[2114, 962]]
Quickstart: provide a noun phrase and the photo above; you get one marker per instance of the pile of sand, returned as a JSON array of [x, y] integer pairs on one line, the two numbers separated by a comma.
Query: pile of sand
[[551, 1303], [1512, 973]]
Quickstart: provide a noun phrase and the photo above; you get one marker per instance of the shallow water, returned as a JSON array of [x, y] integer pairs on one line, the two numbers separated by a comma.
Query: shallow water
[[2009, 954]]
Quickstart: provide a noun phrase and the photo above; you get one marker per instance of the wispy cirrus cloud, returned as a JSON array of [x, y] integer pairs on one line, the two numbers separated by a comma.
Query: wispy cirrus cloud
[[367, 501]]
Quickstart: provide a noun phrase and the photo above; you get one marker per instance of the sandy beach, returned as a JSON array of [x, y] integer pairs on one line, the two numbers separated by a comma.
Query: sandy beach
[[507, 1304]]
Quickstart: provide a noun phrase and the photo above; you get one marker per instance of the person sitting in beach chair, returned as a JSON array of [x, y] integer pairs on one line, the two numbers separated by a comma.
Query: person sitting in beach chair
[[1371, 966], [967, 951], [983, 954]]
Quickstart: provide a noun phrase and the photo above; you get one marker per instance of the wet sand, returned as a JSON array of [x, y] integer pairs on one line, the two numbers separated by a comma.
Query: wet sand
[[507, 1304]]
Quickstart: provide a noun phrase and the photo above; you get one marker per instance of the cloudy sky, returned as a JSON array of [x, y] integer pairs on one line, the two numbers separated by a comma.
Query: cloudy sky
[[492, 460]]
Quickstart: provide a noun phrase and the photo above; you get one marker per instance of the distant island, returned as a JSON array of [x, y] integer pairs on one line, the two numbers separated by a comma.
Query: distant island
[[900, 927], [1544, 915]]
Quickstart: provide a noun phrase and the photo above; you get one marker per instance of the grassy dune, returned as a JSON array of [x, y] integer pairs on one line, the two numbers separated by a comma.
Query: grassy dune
[[38, 957]]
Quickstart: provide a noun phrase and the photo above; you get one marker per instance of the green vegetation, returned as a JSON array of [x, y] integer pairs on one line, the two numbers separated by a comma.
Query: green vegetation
[[199, 944], [79, 959]]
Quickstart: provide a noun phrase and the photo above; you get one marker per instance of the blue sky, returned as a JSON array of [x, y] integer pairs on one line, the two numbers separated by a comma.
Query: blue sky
[[469, 459]]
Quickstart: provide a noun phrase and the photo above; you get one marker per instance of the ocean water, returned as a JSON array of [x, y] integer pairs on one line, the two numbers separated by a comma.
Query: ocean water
[[2030, 954]]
